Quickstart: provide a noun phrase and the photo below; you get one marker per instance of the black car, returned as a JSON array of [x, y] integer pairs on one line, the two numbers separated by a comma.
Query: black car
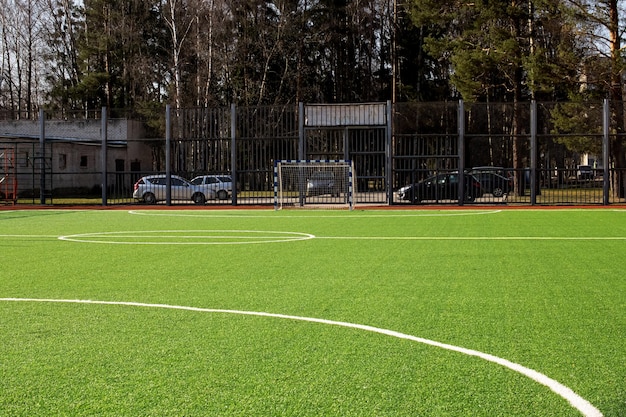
[[584, 172], [493, 180], [323, 182], [441, 187]]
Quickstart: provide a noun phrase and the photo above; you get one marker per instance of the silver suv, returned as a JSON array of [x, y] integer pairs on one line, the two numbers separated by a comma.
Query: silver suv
[[215, 185], [153, 188]]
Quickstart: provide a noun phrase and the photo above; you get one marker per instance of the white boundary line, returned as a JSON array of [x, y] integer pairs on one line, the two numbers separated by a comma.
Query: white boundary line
[[33, 236], [576, 401], [348, 215], [255, 237], [361, 214], [473, 237]]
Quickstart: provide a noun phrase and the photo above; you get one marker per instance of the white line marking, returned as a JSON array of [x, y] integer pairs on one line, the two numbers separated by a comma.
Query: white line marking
[[474, 237], [274, 215], [273, 237], [585, 407], [144, 236], [32, 236]]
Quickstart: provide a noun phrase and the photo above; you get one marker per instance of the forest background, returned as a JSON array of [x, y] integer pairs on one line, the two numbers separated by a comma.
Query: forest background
[[69, 57], [136, 55]]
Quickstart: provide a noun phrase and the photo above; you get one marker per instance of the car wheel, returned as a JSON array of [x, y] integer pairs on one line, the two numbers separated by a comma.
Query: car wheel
[[497, 192], [149, 198], [199, 198], [222, 195]]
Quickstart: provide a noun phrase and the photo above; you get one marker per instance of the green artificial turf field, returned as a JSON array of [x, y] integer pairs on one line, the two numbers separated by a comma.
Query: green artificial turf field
[[313, 313]]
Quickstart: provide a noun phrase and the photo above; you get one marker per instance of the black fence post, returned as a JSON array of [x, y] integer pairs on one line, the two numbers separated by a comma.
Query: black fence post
[[533, 153], [233, 151], [168, 155], [301, 134], [103, 156], [606, 116], [461, 152], [388, 157], [42, 156]]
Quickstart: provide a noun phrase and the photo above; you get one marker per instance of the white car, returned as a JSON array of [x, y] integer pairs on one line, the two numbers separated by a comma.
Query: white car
[[153, 188], [216, 185]]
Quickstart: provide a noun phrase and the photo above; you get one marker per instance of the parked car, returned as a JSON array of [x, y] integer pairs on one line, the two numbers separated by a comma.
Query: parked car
[[153, 188], [217, 185], [441, 187], [493, 180], [323, 182], [505, 172], [584, 172]]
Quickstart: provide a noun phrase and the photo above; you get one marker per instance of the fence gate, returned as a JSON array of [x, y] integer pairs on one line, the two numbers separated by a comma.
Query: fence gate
[[358, 132], [425, 143], [8, 175]]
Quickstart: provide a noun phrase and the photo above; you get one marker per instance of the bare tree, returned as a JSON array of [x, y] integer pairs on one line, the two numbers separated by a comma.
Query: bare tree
[[62, 32], [179, 22], [7, 85], [21, 46]]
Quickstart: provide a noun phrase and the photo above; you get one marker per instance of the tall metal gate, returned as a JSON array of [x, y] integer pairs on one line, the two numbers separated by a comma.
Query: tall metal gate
[[425, 142], [244, 142], [357, 132]]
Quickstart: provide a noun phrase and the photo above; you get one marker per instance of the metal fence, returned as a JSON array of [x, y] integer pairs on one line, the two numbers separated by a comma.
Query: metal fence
[[548, 153]]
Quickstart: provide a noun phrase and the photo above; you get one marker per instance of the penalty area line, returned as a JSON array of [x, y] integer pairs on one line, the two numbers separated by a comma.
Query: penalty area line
[[583, 406]]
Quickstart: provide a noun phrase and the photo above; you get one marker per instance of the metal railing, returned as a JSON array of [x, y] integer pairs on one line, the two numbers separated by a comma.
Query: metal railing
[[404, 145]]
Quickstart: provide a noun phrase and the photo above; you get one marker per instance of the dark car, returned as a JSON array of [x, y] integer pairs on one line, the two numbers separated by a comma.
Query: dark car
[[322, 183], [584, 172], [493, 180], [441, 187]]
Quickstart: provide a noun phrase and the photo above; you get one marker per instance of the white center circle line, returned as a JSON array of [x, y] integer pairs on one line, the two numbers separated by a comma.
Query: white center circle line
[[583, 406], [187, 237]]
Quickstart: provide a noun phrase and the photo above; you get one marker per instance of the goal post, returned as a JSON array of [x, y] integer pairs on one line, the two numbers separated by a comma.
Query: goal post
[[314, 184]]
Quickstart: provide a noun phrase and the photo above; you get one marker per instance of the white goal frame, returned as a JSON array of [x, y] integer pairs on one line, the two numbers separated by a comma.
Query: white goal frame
[[296, 191]]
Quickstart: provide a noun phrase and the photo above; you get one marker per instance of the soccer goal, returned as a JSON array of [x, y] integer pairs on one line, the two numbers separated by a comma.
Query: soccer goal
[[314, 184]]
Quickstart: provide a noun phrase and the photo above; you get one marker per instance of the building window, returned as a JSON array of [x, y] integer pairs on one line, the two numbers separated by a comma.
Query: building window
[[25, 159], [62, 161], [83, 161]]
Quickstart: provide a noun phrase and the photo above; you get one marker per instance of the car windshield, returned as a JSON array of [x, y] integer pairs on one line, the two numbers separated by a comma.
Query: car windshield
[[179, 182], [490, 171], [157, 180], [211, 180], [322, 176]]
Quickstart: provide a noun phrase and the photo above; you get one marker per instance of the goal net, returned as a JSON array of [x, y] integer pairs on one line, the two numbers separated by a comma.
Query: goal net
[[314, 184]]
